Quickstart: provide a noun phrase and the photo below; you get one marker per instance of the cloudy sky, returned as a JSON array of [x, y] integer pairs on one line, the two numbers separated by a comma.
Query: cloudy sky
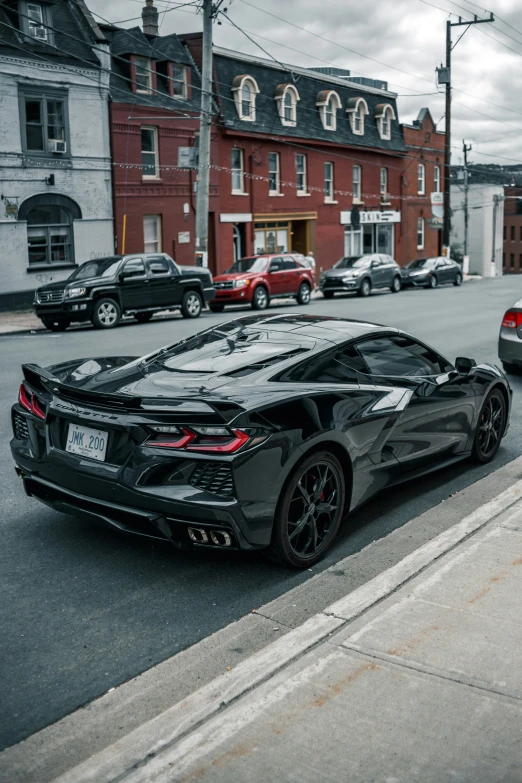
[[400, 41]]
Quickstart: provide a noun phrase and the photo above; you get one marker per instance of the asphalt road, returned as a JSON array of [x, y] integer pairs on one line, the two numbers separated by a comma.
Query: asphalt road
[[85, 609]]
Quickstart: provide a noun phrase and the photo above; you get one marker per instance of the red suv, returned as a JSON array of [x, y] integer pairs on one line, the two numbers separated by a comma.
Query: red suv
[[258, 279]]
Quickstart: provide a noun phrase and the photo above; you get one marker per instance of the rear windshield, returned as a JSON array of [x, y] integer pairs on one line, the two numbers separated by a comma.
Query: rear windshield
[[255, 264], [353, 261], [422, 263], [101, 267]]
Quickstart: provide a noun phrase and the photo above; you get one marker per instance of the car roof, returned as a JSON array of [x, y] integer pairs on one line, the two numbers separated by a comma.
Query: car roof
[[323, 328]]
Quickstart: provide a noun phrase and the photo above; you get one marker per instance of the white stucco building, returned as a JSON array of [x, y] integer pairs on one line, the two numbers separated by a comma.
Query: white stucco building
[[55, 161], [485, 226]]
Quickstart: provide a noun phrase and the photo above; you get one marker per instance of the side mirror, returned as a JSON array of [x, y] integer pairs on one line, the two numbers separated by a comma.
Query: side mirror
[[463, 365]]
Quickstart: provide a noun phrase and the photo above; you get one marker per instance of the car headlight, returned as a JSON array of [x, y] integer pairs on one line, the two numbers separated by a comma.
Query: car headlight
[[72, 293], [241, 283]]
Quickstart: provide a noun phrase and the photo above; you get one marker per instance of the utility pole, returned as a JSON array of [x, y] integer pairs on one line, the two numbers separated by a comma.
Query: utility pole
[[205, 122], [445, 78], [466, 149]]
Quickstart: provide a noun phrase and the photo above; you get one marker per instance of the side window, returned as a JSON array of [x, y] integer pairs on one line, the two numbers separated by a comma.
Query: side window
[[134, 267], [400, 356], [289, 263], [376, 262], [158, 265], [276, 265], [338, 367]]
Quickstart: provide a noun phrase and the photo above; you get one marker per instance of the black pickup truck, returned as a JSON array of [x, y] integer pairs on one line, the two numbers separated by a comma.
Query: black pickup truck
[[105, 289]]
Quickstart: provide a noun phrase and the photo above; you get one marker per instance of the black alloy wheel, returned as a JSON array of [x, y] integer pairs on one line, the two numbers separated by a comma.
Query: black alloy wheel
[[328, 294], [490, 427], [458, 279], [260, 298], [304, 294], [106, 314], [192, 305], [396, 285], [432, 282], [216, 308], [309, 511], [143, 318], [365, 287], [58, 325]]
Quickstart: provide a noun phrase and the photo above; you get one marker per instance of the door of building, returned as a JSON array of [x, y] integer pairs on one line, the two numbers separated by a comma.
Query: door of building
[[299, 234]]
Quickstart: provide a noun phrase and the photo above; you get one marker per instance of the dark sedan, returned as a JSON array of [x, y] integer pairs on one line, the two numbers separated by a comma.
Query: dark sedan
[[361, 274], [431, 272], [263, 432]]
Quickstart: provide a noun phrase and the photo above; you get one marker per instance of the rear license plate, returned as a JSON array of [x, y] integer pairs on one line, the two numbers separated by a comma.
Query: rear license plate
[[87, 442]]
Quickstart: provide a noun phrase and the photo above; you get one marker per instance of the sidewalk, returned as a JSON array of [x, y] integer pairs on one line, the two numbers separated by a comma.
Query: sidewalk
[[415, 676]]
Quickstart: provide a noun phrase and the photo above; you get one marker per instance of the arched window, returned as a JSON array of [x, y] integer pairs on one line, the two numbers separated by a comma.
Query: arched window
[[328, 102], [357, 109], [286, 97], [384, 114], [245, 90], [50, 237]]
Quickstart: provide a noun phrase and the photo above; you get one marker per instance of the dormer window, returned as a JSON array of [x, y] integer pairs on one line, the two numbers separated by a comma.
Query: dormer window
[[245, 90], [143, 74], [179, 81], [328, 102], [357, 109], [384, 114], [286, 97], [36, 21]]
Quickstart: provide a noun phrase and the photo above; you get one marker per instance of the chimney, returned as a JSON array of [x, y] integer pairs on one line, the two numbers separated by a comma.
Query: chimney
[[150, 18]]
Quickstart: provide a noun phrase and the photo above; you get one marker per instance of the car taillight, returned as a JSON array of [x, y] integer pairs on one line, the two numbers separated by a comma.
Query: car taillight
[[30, 402], [512, 319], [210, 440]]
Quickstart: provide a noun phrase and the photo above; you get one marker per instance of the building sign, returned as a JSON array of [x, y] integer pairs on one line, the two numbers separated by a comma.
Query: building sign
[[437, 210], [183, 237], [235, 217], [389, 216]]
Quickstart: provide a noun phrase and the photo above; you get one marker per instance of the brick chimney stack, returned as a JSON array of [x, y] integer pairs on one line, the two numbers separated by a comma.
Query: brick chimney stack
[[150, 18]]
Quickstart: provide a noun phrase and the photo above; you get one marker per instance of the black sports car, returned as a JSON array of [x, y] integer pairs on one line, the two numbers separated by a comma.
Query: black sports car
[[264, 431]]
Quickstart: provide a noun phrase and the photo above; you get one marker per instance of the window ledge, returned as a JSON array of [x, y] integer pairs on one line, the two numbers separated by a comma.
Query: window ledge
[[151, 180], [303, 194], [273, 194], [239, 193], [330, 201], [49, 267], [357, 201]]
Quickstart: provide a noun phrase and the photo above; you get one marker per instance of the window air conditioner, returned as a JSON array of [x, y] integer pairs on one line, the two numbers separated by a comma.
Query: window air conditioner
[[385, 198], [57, 146], [40, 33]]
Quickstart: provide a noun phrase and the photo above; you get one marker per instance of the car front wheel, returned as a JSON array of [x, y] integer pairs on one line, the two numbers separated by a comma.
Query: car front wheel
[[309, 511], [458, 279], [191, 305], [365, 288], [432, 282], [490, 427], [260, 298], [396, 285], [107, 314], [304, 294]]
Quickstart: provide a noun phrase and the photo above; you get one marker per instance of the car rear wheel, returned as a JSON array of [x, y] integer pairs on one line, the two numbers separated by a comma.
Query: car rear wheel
[[304, 294], [490, 427], [106, 314], [396, 285], [214, 308], [458, 279], [328, 294], [365, 288], [143, 318], [191, 306], [58, 325], [432, 282], [309, 511], [260, 298]]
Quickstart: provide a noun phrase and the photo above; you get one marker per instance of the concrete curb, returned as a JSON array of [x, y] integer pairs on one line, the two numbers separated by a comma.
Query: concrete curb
[[144, 743]]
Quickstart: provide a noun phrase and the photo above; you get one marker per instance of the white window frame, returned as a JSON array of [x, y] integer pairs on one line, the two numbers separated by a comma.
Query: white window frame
[[283, 92], [235, 170], [420, 233], [436, 179], [148, 72], [328, 102], [385, 196], [384, 114], [421, 179], [183, 81], [303, 191], [156, 221], [357, 110], [274, 168], [237, 90], [34, 24], [156, 174], [329, 185], [357, 183]]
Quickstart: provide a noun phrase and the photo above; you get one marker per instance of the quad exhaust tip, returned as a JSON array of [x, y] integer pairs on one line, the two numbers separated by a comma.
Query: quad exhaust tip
[[217, 537]]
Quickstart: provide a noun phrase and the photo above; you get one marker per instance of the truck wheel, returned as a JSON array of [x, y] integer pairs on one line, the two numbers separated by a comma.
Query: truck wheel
[[191, 305], [106, 314], [58, 325], [260, 299]]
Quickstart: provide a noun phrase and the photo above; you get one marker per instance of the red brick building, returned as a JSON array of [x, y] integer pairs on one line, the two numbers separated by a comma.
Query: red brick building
[[512, 251], [423, 174]]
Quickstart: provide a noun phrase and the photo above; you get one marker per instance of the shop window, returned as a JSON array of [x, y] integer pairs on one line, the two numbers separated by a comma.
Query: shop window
[[44, 123], [274, 174], [238, 171], [271, 237], [49, 236], [357, 184], [421, 179], [149, 153], [420, 233], [328, 181], [152, 233], [301, 174]]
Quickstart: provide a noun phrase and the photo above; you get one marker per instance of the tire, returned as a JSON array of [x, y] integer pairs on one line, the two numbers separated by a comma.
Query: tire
[[300, 505], [458, 280], [143, 318], [192, 305], [260, 299], [328, 294], [432, 282], [365, 288], [490, 427], [216, 308], [106, 314], [512, 369], [396, 285], [58, 325], [304, 294]]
